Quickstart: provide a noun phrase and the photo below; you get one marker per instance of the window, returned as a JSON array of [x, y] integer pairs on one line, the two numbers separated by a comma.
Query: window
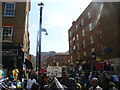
[[76, 26], [83, 43], [93, 52], [84, 53], [82, 22], [74, 47], [70, 34], [73, 38], [74, 51], [89, 15], [90, 26], [9, 9], [83, 32], [70, 50], [7, 33], [77, 36], [91, 38], [70, 42]]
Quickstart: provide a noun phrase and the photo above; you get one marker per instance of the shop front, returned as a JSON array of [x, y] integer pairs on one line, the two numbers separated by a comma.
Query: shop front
[[12, 56]]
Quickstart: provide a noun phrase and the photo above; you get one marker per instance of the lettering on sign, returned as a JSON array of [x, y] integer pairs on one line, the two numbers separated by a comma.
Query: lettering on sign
[[54, 71], [10, 53]]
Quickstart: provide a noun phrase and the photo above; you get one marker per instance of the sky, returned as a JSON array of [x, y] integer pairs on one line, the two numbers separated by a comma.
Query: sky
[[57, 17]]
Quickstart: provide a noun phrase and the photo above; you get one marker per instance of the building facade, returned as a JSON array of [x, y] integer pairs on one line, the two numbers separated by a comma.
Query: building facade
[[15, 35], [56, 59], [95, 34]]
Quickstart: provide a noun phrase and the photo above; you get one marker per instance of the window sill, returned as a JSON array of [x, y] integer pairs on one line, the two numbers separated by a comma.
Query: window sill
[[8, 16]]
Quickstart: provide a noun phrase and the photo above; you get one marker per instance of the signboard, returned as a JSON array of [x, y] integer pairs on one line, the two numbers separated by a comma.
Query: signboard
[[54, 71], [10, 52]]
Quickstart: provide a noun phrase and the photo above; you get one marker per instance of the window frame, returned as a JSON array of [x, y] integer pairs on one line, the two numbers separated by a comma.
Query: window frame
[[89, 15], [83, 32], [7, 35], [77, 37], [11, 9], [82, 22], [90, 26], [76, 26], [85, 53], [91, 39]]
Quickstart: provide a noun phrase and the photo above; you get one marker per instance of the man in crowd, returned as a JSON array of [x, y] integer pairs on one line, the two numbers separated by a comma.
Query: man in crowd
[[95, 86]]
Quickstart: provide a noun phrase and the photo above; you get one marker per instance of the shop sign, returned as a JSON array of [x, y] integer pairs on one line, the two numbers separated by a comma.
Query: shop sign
[[9, 53]]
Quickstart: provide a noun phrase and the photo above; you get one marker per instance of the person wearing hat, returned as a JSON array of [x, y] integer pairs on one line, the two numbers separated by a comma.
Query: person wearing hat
[[95, 86]]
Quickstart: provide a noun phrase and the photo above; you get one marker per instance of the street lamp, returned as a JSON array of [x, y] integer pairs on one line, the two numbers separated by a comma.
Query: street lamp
[[39, 44]]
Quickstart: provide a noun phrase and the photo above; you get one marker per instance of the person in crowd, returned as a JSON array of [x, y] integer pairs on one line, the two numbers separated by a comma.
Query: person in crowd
[[95, 86], [15, 73], [30, 82], [20, 75], [42, 71], [68, 82], [105, 83], [112, 86], [34, 74], [44, 81], [78, 85], [35, 86], [4, 74]]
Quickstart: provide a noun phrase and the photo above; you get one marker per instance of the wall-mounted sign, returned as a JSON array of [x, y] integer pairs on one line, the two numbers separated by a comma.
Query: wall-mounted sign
[[11, 52]]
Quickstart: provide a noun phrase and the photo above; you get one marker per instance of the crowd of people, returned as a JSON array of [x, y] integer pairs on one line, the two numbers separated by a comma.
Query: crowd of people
[[76, 80], [71, 80]]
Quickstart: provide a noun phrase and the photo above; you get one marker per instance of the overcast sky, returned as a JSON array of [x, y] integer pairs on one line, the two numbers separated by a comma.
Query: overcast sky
[[57, 19]]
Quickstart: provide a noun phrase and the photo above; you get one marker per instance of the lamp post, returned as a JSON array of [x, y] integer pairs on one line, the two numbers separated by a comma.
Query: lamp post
[[39, 44]]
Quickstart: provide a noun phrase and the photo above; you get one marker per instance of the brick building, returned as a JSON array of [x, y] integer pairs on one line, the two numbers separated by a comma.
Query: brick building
[[58, 59], [95, 35], [15, 34]]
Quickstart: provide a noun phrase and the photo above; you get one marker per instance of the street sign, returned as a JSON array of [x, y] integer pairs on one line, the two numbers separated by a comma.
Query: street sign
[[54, 71]]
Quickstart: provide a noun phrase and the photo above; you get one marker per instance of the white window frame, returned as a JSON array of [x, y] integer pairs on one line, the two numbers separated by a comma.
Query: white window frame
[[83, 32], [70, 34], [7, 35], [91, 39], [90, 26], [74, 47], [84, 53], [77, 37], [13, 9], [92, 51], [74, 38], [70, 42], [76, 26], [82, 22], [89, 15]]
